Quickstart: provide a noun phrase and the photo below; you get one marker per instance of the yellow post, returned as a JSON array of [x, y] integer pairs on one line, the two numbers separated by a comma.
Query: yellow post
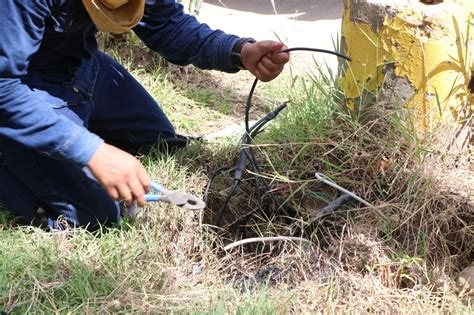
[[410, 53]]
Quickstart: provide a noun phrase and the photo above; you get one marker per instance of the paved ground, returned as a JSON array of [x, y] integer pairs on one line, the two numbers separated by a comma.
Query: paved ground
[[311, 23]]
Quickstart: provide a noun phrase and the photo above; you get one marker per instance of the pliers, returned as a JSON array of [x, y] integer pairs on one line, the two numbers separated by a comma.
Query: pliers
[[177, 198]]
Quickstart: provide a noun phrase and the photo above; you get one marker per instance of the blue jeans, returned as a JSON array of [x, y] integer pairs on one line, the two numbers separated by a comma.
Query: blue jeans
[[105, 98]]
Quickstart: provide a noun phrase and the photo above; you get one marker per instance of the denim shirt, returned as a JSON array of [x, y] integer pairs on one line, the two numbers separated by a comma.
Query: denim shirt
[[52, 37]]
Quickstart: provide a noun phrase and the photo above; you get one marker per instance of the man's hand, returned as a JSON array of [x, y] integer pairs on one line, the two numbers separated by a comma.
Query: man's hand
[[121, 174], [263, 59]]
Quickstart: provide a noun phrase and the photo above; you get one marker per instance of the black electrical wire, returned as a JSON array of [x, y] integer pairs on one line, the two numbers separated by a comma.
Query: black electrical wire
[[255, 130], [247, 154], [231, 193], [214, 173], [255, 82]]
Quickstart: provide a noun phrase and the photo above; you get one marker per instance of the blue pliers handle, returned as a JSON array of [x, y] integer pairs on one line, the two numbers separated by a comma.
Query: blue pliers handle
[[154, 197]]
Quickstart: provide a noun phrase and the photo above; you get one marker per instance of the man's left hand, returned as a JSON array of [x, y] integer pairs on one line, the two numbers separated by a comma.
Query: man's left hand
[[264, 60]]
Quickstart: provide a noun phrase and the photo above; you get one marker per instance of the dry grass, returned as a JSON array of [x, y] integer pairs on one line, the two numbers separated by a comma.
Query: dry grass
[[172, 261], [409, 258]]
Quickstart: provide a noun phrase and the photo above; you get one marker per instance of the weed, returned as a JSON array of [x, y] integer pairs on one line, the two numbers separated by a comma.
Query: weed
[[171, 261]]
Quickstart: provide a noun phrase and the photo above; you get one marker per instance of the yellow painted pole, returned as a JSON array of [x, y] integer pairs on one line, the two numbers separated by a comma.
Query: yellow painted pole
[[412, 54]]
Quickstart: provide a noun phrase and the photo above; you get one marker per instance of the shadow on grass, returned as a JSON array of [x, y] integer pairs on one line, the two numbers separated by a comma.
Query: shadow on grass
[[40, 273], [206, 89]]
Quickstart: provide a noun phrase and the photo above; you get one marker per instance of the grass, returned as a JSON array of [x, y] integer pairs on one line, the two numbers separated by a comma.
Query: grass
[[171, 261]]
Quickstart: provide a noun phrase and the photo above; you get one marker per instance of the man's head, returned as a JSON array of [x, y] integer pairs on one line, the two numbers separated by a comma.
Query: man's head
[[115, 16]]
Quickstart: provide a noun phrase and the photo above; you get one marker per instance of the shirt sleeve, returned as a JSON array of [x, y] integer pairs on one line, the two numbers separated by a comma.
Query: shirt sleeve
[[182, 40], [22, 117]]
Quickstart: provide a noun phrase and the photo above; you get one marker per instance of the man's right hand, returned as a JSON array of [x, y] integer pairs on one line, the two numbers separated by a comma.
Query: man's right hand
[[121, 174]]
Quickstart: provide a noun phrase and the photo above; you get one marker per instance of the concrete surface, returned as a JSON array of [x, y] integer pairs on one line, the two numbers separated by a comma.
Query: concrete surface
[[311, 23]]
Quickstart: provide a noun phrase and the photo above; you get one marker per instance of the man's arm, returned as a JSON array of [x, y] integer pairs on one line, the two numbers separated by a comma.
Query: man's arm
[[182, 40], [26, 120], [22, 117]]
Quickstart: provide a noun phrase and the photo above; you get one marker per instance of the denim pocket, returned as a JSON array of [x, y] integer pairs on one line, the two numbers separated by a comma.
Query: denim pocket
[[60, 96], [68, 101]]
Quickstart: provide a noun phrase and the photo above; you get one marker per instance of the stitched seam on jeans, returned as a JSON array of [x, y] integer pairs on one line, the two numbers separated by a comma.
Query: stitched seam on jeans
[[96, 70], [64, 104]]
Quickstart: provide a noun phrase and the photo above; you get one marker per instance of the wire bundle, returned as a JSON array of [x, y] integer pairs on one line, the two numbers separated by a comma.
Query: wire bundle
[[247, 154]]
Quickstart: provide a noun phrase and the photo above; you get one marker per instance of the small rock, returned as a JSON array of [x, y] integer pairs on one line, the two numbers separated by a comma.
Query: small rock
[[197, 269], [466, 280], [116, 304], [129, 212]]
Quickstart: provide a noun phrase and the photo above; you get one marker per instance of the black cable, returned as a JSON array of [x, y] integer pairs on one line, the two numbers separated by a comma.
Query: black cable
[[249, 104], [227, 200], [250, 154], [251, 157], [254, 85], [253, 161], [331, 208], [247, 154], [325, 51], [214, 173]]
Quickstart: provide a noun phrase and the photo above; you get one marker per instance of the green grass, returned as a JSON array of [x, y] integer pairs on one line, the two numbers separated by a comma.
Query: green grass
[[171, 261]]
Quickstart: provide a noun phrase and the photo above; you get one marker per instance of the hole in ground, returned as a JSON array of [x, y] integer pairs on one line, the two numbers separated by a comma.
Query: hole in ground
[[246, 217]]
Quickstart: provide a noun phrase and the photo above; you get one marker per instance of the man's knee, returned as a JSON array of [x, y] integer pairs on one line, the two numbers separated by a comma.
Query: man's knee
[[17, 198], [107, 218], [104, 213]]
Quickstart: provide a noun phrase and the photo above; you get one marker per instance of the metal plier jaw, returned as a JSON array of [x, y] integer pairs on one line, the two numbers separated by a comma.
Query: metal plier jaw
[[177, 198]]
